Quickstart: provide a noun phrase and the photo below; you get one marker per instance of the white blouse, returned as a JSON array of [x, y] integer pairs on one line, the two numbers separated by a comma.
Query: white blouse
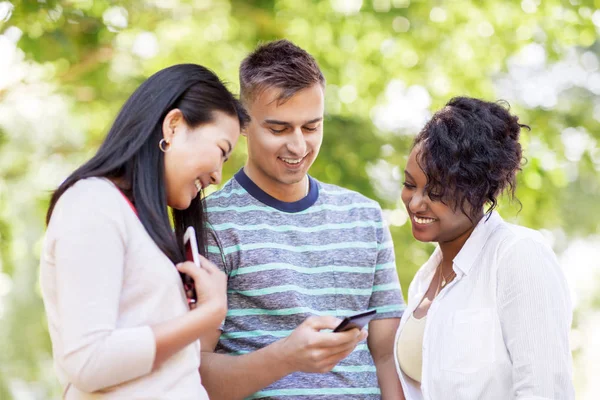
[[104, 284], [500, 329]]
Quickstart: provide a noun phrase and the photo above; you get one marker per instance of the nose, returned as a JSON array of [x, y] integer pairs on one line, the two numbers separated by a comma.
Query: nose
[[215, 177], [417, 203], [297, 143]]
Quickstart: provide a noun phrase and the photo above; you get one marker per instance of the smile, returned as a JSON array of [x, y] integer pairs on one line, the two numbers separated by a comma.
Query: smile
[[198, 184], [423, 220], [292, 161]]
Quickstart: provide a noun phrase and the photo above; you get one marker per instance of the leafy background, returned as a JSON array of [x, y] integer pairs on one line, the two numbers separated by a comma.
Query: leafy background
[[66, 67]]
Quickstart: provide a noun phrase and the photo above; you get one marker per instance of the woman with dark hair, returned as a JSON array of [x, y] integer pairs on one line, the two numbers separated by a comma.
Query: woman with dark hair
[[110, 270], [489, 314]]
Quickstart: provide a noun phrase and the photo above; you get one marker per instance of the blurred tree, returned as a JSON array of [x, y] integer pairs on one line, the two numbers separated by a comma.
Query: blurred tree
[[388, 64]]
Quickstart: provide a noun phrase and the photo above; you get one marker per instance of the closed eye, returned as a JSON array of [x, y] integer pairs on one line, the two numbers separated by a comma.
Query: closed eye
[[224, 154], [408, 185]]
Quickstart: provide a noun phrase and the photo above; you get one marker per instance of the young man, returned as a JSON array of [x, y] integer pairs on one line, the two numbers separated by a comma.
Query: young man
[[299, 254]]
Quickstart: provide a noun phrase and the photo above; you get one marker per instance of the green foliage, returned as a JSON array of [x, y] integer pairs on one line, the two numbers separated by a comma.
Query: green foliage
[[93, 54]]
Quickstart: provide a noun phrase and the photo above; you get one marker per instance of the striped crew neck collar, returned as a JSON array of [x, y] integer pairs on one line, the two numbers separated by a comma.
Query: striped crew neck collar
[[265, 198]]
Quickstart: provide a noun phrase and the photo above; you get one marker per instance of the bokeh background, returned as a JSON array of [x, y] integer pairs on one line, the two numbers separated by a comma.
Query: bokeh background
[[66, 67]]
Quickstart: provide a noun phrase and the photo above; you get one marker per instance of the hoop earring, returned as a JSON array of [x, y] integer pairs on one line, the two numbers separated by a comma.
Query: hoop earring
[[164, 145]]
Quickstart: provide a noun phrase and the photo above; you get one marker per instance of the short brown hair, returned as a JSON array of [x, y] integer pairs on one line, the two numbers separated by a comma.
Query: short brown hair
[[279, 64]]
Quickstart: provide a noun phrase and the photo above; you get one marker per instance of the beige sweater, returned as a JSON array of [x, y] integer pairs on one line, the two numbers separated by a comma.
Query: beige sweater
[[104, 283]]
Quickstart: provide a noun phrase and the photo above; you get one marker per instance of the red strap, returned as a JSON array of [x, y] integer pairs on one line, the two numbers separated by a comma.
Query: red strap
[[130, 203]]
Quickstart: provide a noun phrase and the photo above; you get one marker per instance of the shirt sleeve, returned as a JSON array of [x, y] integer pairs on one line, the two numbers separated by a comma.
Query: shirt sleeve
[[89, 253], [535, 315], [215, 251], [386, 297]]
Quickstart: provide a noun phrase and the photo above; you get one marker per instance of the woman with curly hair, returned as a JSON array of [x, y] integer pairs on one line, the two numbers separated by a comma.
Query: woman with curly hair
[[489, 313]]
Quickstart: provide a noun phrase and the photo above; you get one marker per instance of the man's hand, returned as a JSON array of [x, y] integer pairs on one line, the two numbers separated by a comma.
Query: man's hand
[[308, 349]]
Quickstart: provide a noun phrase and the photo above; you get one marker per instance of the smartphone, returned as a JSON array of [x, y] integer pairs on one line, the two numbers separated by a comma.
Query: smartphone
[[190, 244], [355, 321]]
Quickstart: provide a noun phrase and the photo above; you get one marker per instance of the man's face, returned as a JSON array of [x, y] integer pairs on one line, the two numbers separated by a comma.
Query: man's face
[[284, 139]]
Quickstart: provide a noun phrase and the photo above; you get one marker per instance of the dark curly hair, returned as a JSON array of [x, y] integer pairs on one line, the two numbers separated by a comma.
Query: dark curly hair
[[470, 153]]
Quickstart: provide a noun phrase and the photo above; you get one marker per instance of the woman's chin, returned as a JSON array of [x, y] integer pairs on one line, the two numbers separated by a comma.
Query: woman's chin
[[423, 236], [181, 204]]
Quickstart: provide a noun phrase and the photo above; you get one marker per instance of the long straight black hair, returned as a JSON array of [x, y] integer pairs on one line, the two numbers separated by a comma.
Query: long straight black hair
[[130, 152]]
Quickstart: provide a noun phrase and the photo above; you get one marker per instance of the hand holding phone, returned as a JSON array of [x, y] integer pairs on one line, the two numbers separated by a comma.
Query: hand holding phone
[[190, 245], [357, 321]]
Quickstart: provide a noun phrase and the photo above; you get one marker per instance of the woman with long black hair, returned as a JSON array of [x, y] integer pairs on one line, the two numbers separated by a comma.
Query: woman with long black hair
[[110, 270]]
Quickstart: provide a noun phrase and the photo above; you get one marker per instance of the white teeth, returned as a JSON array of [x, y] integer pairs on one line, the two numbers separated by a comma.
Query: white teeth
[[424, 220], [198, 184], [292, 161]]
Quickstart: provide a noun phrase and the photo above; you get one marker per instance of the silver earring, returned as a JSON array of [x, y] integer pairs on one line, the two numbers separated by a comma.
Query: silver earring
[[164, 145]]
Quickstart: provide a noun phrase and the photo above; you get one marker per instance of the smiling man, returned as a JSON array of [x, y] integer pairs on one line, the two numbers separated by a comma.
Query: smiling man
[[299, 254]]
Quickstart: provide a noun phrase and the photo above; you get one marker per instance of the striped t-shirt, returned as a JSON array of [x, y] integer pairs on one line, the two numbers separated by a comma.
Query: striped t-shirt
[[326, 254]]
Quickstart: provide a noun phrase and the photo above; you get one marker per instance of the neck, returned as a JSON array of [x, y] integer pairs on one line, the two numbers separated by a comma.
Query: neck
[[288, 193], [450, 249]]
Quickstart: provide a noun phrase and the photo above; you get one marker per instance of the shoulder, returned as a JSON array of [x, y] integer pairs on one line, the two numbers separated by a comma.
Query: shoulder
[[90, 192], [231, 192], [523, 253], [88, 200], [221, 206], [511, 238], [333, 194]]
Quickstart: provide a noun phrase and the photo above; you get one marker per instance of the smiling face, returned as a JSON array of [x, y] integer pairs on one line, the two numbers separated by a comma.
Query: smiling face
[[432, 221], [284, 139], [195, 156]]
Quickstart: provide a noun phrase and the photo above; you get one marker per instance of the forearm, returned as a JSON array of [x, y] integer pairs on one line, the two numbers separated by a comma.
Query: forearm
[[381, 341], [173, 335], [389, 382], [236, 377]]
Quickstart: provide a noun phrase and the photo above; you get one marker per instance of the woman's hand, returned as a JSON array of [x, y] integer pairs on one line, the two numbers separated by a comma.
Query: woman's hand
[[211, 308], [210, 284]]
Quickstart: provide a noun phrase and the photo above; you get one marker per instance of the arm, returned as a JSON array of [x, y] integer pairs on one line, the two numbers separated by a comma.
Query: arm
[[535, 316], [382, 333], [306, 349], [211, 287], [89, 253], [89, 256], [251, 372], [387, 299]]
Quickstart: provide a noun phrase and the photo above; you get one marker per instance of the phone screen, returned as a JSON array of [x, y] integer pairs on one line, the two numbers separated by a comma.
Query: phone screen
[[357, 321], [189, 253], [189, 248]]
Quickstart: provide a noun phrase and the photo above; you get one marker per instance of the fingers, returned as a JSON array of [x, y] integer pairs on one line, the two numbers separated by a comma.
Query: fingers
[[324, 359], [332, 339], [322, 322], [208, 265], [333, 359], [191, 269], [315, 338]]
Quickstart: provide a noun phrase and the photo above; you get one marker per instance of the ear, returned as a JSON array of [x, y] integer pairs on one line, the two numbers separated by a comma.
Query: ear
[[244, 131], [173, 120]]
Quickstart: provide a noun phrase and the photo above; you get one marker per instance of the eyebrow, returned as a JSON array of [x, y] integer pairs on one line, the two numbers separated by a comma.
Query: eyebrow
[[408, 174], [277, 122]]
